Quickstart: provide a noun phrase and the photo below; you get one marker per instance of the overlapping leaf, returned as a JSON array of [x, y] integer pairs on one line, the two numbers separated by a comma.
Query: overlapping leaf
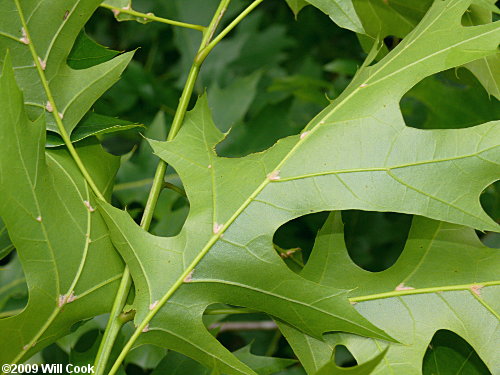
[[341, 12], [74, 90], [397, 18], [119, 5], [330, 368], [61, 242], [444, 279], [156, 263], [12, 285], [5, 245], [357, 153]]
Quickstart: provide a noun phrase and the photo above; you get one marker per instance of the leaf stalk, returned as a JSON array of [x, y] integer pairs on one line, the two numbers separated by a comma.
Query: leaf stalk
[[202, 55], [156, 188], [152, 17]]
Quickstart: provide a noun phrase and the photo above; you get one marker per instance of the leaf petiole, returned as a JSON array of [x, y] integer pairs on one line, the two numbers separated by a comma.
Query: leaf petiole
[[202, 55], [152, 17], [158, 184]]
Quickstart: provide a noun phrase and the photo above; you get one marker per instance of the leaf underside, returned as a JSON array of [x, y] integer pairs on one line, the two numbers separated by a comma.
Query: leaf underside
[[445, 278], [74, 90], [356, 154], [48, 210]]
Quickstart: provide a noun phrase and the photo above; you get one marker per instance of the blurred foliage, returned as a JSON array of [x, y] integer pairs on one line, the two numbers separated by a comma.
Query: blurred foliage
[[257, 97]]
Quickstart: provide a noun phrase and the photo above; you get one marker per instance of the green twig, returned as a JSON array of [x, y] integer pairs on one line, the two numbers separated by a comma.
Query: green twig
[[114, 325], [205, 51], [152, 17], [159, 183]]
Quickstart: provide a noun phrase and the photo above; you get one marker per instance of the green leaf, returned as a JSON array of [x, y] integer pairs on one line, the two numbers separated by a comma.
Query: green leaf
[[177, 364], [356, 154], [231, 103], [364, 369], [74, 91], [135, 174], [146, 357], [87, 53], [125, 5], [12, 282], [487, 71], [449, 104], [444, 279], [91, 125], [296, 5], [263, 365], [341, 12], [47, 208], [449, 354], [397, 18], [5, 245]]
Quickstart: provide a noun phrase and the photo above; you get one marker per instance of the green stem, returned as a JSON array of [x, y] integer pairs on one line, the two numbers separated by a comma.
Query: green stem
[[57, 117], [408, 292], [205, 51], [159, 183], [114, 325], [205, 48], [152, 17]]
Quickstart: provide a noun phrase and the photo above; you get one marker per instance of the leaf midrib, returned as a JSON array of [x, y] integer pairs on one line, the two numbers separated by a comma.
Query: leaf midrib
[[430, 290], [215, 237], [291, 300]]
